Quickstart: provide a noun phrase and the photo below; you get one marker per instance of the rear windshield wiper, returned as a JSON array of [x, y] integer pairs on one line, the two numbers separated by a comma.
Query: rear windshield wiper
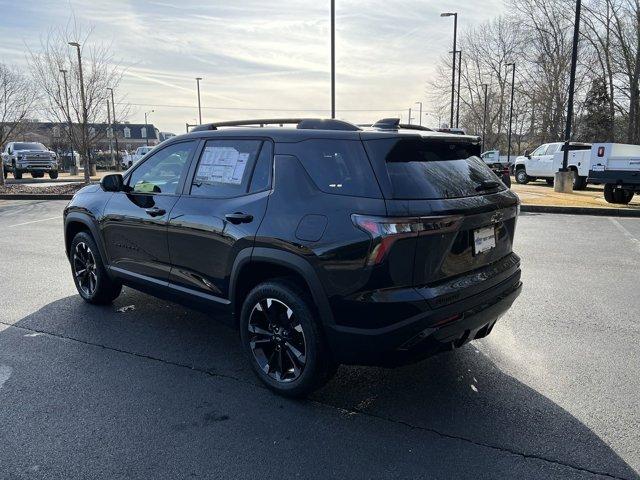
[[487, 185]]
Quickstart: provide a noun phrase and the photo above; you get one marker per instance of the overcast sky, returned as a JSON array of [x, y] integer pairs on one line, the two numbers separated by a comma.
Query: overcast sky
[[259, 58]]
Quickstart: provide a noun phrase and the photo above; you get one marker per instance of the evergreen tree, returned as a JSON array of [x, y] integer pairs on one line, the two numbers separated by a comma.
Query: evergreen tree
[[597, 124]]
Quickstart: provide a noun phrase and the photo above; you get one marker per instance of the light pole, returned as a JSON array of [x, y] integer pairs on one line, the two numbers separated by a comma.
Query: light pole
[[410, 117], [87, 176], [146, 128], [513, 82], [72, 167], [113, 129], [563, 181], [485, 87], [333, 58], [199, 107], [458, 93], [453, 66], [420, 103]]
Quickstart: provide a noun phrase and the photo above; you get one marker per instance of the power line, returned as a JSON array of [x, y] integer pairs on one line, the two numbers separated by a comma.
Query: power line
[[260, 109]]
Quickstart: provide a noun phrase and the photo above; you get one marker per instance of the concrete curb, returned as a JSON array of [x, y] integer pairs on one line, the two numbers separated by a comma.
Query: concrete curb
[[35, 196], [598, 211]]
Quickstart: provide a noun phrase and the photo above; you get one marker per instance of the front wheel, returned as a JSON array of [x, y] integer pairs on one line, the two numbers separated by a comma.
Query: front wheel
[[282, 339], [89, 274], [53, 175], [521, 176]]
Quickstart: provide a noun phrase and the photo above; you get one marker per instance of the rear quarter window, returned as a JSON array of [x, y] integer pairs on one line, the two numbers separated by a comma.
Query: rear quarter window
[[431, 169], [340, 167]]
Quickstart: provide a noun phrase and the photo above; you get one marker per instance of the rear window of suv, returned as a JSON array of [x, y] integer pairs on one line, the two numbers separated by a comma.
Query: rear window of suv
[[431, 168]]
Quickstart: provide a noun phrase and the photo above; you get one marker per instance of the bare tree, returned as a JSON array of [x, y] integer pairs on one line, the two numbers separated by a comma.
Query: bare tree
[[16, 101], [99, 71]]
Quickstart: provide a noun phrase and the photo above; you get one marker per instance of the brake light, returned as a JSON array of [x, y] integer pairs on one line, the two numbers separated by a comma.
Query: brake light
[[385, 231], [601, 151]]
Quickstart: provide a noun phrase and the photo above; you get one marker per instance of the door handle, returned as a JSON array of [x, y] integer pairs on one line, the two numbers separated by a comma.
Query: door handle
[[238, 217], [155, 211]]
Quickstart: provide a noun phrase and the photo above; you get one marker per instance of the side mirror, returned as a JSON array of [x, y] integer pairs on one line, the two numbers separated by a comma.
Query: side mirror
[[112, 183], [527, 153]]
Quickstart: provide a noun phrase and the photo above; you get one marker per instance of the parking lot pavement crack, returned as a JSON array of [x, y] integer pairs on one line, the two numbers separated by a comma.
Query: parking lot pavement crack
[[326, 405]]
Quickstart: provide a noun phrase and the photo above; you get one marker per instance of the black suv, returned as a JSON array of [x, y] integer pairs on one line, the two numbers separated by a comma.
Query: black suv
[[324, 244]]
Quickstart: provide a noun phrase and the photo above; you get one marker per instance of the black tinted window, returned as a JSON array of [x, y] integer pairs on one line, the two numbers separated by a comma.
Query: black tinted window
[[431, 169], [339, 166], [261, 179], [224, 169], [162, 171]]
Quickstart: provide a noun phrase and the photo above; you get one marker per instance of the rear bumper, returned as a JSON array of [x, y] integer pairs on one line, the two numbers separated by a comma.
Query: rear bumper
[[625, 178], [432, 331]]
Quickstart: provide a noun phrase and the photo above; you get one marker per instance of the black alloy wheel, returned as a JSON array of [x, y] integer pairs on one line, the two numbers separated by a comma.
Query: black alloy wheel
[[84, 269], [277, 340]]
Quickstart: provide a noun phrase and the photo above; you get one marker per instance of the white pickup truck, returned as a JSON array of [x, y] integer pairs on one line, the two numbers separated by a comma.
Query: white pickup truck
[[131, 159], [546, 160], [618, 167]]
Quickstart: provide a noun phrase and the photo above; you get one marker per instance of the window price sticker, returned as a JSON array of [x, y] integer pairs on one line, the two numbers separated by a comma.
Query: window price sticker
[[222, 165]]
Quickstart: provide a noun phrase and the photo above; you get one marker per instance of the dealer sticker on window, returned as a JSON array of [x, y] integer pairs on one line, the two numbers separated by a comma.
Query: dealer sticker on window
[[484, 239]]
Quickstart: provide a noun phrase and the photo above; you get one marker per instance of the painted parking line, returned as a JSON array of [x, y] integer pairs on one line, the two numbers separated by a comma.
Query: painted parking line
[[35, 221], [626, 233]]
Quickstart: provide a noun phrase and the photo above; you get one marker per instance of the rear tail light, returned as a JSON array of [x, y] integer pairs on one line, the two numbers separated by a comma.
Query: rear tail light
[[600, 151], [385, 231]]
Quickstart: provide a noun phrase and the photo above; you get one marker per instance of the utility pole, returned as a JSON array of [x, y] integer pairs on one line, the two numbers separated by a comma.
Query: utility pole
[[73, 167], [458, 94], [485, 87], [87, 175], [563, 179], [115, 133], [453, 65], [420, 103], [113, 159], [333, 58], [199, 107], [513, 82], [146, 126], [409, 121]]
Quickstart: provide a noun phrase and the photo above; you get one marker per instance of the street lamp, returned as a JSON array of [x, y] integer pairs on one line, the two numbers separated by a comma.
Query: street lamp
[[485, 87], [146, 129], [562, 182], [420, 103], [458, 94], [73, 167], [87, 177], [199, 107], [513, 82], [333, 59], [113, 128], [453, 66]]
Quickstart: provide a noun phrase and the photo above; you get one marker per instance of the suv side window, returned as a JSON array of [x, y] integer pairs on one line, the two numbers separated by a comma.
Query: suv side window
[[340, 167], [161, 172], [225, 167]]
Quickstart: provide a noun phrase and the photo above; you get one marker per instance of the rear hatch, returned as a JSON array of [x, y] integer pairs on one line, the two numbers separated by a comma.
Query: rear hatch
[[450, 210]]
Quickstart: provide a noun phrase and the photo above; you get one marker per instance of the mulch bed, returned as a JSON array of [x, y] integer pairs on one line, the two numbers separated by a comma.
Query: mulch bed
[[62, 189]]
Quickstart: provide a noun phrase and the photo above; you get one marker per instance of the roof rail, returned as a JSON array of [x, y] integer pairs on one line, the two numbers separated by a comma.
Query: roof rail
[[301, 123], [394, 124]]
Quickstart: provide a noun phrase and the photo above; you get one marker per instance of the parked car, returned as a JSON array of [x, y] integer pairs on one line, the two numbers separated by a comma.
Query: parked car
[[29, 157], [618, 167], [547, 159], [129, 160], [324, 244], [499, 165]]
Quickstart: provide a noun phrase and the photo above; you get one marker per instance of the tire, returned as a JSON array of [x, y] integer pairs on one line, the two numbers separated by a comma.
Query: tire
[[506, 179], [623, 197], [521, 176], [281, 337], [95, 286], [579, 183], [550, 181], [17, 174], [53, 175]]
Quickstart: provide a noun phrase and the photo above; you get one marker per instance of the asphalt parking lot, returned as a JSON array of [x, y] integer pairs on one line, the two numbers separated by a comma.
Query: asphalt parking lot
[[150, 389]]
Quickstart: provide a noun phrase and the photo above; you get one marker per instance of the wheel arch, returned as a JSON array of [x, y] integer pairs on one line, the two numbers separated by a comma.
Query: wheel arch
[[262, 264], [76, 222]]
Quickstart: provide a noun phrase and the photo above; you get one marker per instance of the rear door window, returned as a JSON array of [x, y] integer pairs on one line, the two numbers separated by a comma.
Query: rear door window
[[338, 166], [431, 169]]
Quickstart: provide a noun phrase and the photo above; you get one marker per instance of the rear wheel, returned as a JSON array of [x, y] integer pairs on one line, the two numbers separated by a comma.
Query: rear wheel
[[549, 181], [579, 183], [617, 195], [282, 339], [53, 174], [90, 276], [521, 176]]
